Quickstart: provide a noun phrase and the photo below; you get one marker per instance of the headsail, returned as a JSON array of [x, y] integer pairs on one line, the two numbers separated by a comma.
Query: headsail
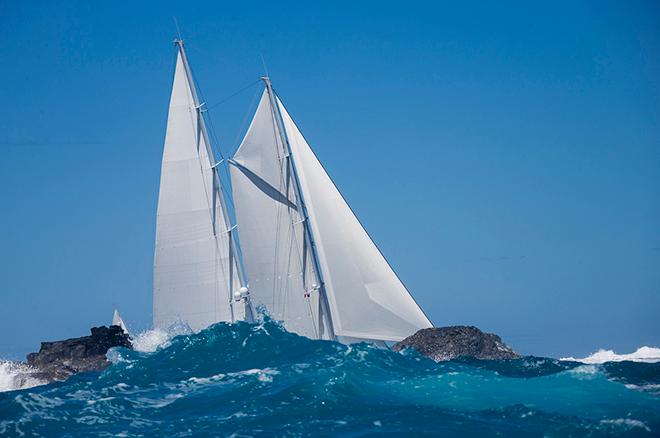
[[194, 269], [367, 300]]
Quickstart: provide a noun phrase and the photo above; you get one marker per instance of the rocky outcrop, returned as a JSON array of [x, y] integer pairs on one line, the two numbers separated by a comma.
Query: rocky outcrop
[[447, 343], [60, 359]]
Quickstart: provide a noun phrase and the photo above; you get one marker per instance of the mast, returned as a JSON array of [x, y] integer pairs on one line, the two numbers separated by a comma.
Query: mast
[[323, 299], [242, 293]]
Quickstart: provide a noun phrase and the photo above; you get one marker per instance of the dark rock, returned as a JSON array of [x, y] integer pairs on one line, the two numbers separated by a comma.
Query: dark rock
[[446, 343], [60, 359]]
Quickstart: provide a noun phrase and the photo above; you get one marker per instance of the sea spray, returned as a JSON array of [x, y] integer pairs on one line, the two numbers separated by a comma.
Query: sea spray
[[259, 380], [17, 375]]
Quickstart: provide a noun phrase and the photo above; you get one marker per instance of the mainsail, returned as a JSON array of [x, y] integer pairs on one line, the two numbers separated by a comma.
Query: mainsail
[[309, 260], [195, 268]]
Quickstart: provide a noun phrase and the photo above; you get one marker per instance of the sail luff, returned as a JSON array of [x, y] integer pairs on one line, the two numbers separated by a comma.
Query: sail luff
[[324, 308]]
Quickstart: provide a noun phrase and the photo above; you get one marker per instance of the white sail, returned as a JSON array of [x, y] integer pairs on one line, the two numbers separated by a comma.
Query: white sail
[[193, 276], [276, 259], [367, 300], [116, 320]]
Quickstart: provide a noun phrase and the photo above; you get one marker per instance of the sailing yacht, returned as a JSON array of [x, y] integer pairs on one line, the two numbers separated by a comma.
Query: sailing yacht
[[118, 321], [304, 256]]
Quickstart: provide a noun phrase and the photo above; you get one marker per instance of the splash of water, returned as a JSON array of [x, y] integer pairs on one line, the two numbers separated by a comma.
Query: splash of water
[[17, 375]]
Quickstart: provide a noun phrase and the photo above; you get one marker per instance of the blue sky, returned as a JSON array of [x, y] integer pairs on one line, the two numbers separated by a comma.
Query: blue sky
[[505, 157]]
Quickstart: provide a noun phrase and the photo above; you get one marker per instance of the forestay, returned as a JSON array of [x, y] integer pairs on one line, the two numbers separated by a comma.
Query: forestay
[[193, 274]]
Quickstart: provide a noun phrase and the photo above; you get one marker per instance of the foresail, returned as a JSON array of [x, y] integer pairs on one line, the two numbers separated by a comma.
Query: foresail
[[275, 254], [367, 299], [193, 281]]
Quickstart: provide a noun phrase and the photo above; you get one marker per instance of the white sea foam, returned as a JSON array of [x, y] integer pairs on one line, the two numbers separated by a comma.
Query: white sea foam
[[17, 375], [584, 372], [150, 340], [651, 388], [263, 375], [643, 354], [626, 424]]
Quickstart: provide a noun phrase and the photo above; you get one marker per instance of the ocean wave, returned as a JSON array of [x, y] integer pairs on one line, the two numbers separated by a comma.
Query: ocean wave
[[259, 380], [642, 354]]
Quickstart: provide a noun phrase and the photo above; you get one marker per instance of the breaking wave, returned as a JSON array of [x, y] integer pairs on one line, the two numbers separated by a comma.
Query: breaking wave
[[642, 354], [259, 380]]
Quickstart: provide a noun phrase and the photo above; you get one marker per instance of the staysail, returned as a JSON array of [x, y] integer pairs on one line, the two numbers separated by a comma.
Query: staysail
[[366, 298], [195, 271]]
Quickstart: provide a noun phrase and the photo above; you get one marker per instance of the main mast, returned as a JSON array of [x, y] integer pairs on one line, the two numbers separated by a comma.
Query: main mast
[[324, 308], [242, 294]]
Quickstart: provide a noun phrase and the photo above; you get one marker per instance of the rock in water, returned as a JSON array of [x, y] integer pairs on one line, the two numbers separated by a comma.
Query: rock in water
[[446, 343], [60, 359]]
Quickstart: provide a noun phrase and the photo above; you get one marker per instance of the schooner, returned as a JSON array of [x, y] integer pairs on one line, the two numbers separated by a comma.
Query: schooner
[[303, 255]]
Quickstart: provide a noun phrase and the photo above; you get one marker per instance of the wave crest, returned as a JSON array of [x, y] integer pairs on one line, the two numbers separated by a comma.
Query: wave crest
[[642, 354]]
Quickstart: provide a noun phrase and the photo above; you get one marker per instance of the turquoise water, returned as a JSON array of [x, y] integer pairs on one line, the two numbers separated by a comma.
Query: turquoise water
[[259, 380]]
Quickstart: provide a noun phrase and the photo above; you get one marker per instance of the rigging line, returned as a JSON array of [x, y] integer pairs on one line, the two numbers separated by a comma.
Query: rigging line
[[300, 252], [245, 119], [292, 220], [210, 150], [311, 316], [291, 231], [215, 144], [176, 24], [276, 258], [286, 177], [233, 94], [228, 185], [263, 61], [216, 266], [275, 104], [279, 208], [294, 246]]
